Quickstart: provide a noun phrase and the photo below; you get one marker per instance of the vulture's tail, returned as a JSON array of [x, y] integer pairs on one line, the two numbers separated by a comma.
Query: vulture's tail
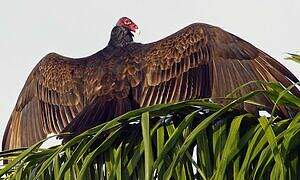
[[96, 113]]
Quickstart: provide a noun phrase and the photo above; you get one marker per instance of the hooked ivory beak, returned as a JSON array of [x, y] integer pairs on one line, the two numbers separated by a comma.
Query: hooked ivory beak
[[137, 32]]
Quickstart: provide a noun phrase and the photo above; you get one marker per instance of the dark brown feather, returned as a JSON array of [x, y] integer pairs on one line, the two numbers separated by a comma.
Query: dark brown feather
[[205, 61]]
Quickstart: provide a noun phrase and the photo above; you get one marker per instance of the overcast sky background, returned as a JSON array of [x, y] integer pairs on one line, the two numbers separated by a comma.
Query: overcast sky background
[[31, 29]]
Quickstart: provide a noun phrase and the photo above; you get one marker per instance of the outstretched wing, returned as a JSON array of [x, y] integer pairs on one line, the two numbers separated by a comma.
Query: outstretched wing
[[196, 62], [51, 97], [200, 61]]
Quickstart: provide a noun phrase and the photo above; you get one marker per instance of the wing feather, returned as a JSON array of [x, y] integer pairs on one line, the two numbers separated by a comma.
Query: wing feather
[[203, 61], [51, 97]]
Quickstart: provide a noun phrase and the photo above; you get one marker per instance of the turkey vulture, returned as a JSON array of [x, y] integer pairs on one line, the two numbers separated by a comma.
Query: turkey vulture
[[200, 60]]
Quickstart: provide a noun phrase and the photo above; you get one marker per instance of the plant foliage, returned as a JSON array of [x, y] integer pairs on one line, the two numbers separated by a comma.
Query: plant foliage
[[195, 139]]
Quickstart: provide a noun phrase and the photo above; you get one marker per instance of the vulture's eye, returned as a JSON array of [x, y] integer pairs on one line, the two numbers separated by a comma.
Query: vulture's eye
[[126, 22]]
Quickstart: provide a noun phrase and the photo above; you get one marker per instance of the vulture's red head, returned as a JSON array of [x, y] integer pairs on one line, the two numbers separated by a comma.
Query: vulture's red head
[[128, 24]]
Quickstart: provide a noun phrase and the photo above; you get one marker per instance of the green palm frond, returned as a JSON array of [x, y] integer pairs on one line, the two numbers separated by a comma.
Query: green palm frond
[[195, 139], [294, 57]]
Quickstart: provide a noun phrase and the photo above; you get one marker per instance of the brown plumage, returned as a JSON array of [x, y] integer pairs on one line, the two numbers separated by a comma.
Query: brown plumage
[[198, 61]]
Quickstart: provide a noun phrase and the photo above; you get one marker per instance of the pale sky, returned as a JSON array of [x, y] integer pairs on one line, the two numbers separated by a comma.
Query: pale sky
[[30, 29]]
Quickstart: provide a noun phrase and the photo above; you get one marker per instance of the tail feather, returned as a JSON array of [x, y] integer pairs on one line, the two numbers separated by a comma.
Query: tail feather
[[96, 113]]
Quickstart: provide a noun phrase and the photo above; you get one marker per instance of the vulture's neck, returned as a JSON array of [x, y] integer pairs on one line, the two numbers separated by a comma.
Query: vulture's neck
[[120, 37]]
